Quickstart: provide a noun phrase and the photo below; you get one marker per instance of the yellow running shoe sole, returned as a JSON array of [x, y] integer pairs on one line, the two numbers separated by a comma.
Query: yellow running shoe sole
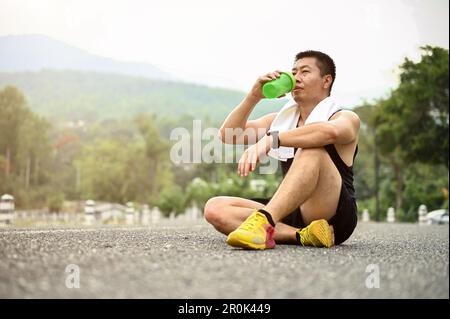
[[235, 241]]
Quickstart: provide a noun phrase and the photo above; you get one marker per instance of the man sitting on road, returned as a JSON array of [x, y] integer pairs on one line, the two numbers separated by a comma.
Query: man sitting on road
[[315, 204]]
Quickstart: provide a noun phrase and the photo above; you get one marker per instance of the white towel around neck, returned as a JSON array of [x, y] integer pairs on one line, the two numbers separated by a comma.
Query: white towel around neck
[[287, 119]]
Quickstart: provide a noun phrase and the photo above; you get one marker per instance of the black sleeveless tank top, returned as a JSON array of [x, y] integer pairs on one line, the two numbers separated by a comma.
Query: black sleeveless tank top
[[345, 171]]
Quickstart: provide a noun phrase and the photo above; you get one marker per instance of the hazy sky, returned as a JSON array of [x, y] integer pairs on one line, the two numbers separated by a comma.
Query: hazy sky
[[230, 43]]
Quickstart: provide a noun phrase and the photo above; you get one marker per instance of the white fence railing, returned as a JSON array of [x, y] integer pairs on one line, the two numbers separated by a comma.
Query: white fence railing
[[105, 214]]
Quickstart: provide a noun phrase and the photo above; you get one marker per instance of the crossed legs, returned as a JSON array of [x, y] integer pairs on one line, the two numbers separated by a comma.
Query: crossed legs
[[226, 213], [312, 183]]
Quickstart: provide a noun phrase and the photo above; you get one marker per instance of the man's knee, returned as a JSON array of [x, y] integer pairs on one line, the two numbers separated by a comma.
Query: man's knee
[[316, 152], [213, 209], [311, 157]]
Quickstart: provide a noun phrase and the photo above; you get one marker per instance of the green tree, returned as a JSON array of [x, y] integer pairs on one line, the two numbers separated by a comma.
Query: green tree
[[413, 121], [408, 127], [25, 150], [171, 200], [34, 150], [125, 165], [13, 112], [412, 124], [105, 170], [55, 202], [156, 151]]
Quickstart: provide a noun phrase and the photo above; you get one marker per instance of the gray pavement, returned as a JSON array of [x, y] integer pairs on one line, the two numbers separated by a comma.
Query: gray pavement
[[193, 261]]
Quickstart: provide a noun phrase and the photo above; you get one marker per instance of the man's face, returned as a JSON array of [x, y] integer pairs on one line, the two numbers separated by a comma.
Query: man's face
[[310, 84]]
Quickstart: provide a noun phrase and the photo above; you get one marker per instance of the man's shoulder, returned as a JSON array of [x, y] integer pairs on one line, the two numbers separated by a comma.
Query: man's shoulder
[[347, 114]]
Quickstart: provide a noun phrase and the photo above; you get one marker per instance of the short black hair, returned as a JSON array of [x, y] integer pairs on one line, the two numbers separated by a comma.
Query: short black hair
[[324, 63]]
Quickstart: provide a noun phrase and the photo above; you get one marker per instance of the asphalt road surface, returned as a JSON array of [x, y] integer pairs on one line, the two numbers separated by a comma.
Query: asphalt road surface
[[174, 260]]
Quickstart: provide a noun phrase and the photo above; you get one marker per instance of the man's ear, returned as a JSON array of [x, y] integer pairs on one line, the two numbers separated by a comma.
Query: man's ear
[[327, 80]]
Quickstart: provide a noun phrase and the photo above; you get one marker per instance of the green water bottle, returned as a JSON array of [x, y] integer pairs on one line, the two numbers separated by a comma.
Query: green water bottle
[[282, 85]]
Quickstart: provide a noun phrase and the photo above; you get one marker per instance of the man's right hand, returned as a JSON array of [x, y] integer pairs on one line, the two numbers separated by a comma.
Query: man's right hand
[[256, 90]]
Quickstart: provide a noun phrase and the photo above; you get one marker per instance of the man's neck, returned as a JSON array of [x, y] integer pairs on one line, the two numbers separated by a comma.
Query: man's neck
[[306, 107]]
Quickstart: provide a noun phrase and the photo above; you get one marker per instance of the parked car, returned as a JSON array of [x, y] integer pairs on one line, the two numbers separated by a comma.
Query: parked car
[[439, 216]]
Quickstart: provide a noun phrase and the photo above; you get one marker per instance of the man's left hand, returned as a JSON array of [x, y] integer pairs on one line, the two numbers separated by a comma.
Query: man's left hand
[[253, 154]]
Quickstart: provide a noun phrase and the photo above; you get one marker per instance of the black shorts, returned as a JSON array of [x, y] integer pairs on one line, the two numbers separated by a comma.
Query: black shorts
[[344, 221]]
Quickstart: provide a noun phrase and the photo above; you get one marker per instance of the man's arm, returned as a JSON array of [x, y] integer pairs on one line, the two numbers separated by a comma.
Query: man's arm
[[236, 129], [251, 132], [343, 128]]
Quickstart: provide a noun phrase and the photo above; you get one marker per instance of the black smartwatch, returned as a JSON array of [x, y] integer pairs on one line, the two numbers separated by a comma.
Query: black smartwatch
[[275, 139]]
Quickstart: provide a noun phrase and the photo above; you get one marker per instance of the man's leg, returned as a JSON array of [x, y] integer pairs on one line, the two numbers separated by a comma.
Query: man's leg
[[227, 213], [313, 183]]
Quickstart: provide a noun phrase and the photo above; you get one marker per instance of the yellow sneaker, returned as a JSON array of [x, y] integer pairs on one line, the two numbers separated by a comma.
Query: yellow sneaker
[[318, 234], [254, 233]]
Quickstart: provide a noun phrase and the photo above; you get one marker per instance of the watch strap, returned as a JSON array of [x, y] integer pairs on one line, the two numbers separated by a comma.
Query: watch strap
[[275, 139]]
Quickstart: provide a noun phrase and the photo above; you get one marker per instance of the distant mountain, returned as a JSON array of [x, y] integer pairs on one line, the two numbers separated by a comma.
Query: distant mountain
[[72, 95], [36, 52]]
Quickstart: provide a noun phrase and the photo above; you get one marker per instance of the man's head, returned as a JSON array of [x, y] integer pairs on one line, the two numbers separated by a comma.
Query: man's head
[[315, 73]]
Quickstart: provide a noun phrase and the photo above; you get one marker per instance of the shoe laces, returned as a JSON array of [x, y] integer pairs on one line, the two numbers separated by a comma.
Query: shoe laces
[[252, 222], [306, 237]]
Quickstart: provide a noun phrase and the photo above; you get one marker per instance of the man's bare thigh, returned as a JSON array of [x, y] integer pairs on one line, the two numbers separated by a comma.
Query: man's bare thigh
[[241, 202], [323, 202]]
